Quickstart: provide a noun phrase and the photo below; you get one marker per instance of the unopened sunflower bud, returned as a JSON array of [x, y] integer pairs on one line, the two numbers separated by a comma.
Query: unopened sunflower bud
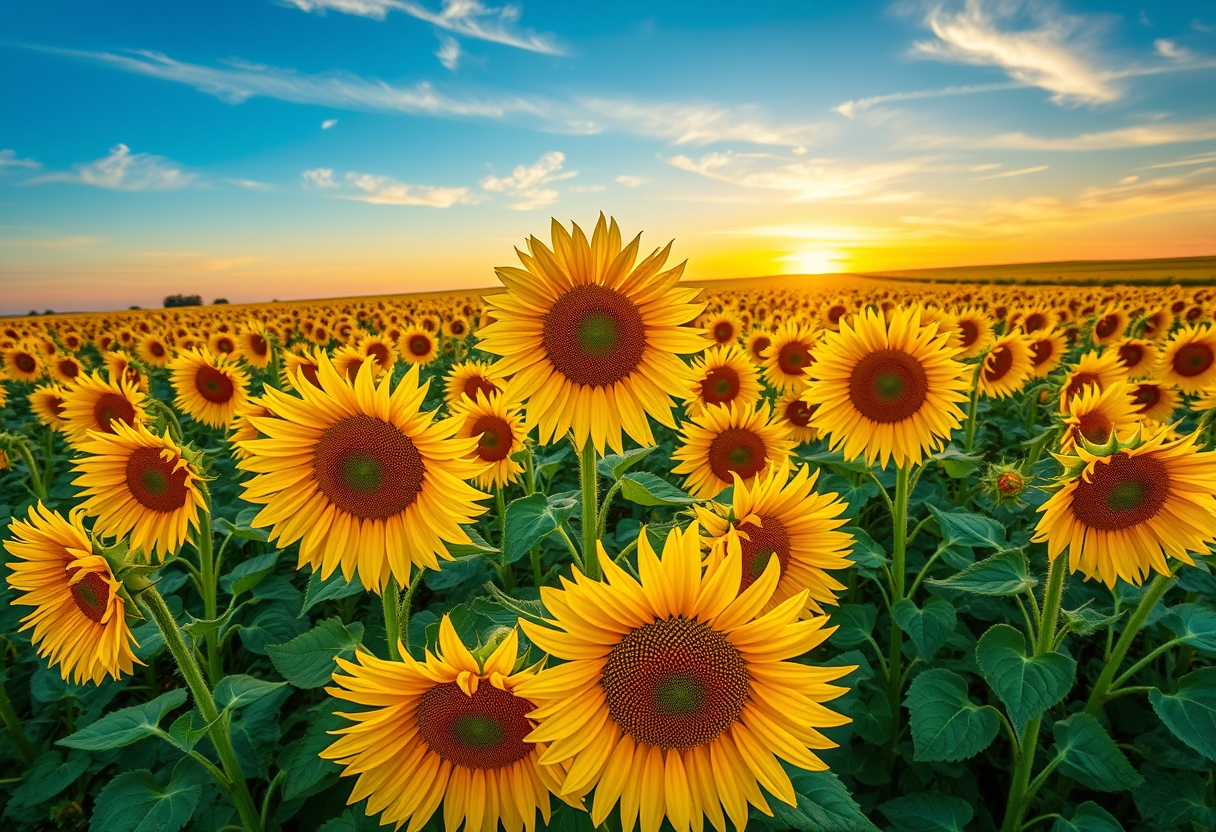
[[1005, 483]]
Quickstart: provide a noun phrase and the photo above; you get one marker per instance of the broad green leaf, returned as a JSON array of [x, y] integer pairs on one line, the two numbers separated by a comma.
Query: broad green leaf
[[533, 611], [1194, 625], [272, 625], [126, 725], [48, 776], [307, 661], [1169, 798], [135, 802], [958, 464], [1190, 713], [477, 545], [347, 822], [247, 574], [866, 551], [1089, 817], [647, 489], [823, 805], [530, 520], [243, 527], [1001, 574], [242, 690], [928, 812], [197, 628], [614, 466], [928, 627], [332, 588], [1089, 756], [946, 725], [301, 763], [461, 572], [188, 729], [1085, 620], [835, 461], [973, 530], [855, 622], [1027, 685]]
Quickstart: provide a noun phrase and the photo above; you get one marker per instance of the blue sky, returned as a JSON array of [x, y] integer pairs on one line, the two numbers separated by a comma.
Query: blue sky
[[308, 148]]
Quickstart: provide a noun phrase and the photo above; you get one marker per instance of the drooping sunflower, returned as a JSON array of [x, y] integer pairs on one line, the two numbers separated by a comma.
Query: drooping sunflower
[[1155, 401], [139, 484], [1097, 414], [971, 332], [789, 357], [23, 363], [1139, 356], [468, 378], [46, 403], [1120, 509], [455, 731], [591, 342], [792, 411], [674, 699], [79, 619], [1189, 359], [726, 441], [417, 346], [361, 476], [1099, 369], [64, 368], [93, 403], [1046, 352], [210, 388], [721, 376], [499, 430], [153, 350], [887, 388], [782, 518], [1006, 366]]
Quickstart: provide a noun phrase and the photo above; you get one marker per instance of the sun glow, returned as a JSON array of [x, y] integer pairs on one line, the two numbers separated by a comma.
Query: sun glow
[[815, 260]]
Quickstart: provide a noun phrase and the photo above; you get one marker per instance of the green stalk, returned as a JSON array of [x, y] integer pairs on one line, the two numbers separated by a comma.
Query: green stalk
[[208, 579], [529, 490], [391, 599], [12, 724], [36, 484], [403, 615], [590, 483], [500, 503], [1020, 793], [217, 728], [1160, 585], [899, 521], [974, 406], [48, 462]]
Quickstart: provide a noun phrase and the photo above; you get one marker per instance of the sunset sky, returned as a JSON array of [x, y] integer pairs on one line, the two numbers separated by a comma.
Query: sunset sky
[[308, 148]]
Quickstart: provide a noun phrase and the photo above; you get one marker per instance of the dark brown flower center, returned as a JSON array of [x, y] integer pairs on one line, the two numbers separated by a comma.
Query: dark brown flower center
[[724, 332], [763, 543], [888, 386], [68, 368], [969, 332], [380, 353], [368, 467], [213, 385], [999, 362], [1193, 359], [419, 345], [1096, 427], [759, 346], [153, 481], [1124, 492], [258, 344], [1080, 381], [111, 407], [157, 349], [799, 413], [835, 313], [476, 384], [485, 730], [224, 345], [495, 438], [1034, 322], [92, 596], [594, 335], [1147, 395], [737, 450], [1132, 355], [1041, 351], [1106, 327], [25, 362], [794, 357], [720, 385]]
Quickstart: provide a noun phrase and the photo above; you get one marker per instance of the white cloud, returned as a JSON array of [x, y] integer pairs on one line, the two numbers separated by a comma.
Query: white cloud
[[1050, 50], [469, 18], [449, 52], [526, 182], [1011, 173], [982, 168], [806, 180], [8, 159], [851, 108], [699, 124], [631, 181], [249, 184], [328, 123], [123, 170], [1186, 161], [384, 190], [1125, 137], [1172, 51], [321, 178]]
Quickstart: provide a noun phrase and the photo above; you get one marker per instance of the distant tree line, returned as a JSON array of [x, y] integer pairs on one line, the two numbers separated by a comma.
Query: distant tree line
[[183, 300]]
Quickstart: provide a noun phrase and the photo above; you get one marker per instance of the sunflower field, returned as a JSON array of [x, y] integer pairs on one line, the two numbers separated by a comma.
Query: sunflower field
[[604, 550]]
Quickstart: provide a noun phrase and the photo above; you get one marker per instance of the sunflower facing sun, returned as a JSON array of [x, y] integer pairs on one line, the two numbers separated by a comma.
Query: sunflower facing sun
[[727, 442], [210, 388]]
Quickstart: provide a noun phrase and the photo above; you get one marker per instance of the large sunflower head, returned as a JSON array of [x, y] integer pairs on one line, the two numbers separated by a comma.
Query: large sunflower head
[[1046, 351], [418, 346], [94, 404], [887, 388], [722, 376], [727, 442], [677, 695], [1098, 415], [1006, 366], [139, 484], [590, 339], [64, 368], [788, 359], [46, 403], [255, 344], [1109, 325], [1189, 359], [724, 328], [210, 388], [1093, 368], [1121, 508], [782, 518], [468, 378], [23, 363], [499, 431], [79, 617], [971, 331], [458, 729], [360, 475]]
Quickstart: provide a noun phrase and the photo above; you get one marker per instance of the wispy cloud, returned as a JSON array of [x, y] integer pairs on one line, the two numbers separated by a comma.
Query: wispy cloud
[[123, 170], [249, 184], [328, 123], [449, 53], [631, 181], [76, 241], [700, 123], [851, 108], [384, 190], [805, 179], [1140, 136], [468, 18], [8, 159], [1011, 173], [527, 182], [1171, 50], [1208, 158], [320, 178]]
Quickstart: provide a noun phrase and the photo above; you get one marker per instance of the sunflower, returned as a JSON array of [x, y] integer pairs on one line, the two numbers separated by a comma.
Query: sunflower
[[1155, 401], [211, 389], [1109, 325], [972, 332], [222, 344], [455, 731], [723, 375], [23, 364], [724, 328], [253, 344], [139, 484], [499, 431], [92, 404], [152, 350], [795, 414], [306, 364], [379, 349], [782, 517], [360, 476], [64, 368], [1101, 370], [46, 403], [347, 360], [1139, 356], [417, 346], [241, 429], [1036, 319], [468, 378], [887, 389], [79, 618], [1006, 366], [1189, 359], [757, 342], [1046, 352], [589, 340], [788, 357], [1120, 509], [674, 699], [724, 442], [1097, 414], [836, 310], [119, 364], [456, 328]]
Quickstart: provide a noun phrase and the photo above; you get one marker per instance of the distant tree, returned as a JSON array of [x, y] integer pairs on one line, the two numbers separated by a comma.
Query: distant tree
[[183, 300], [218, 301], [33, 311], [134, 307], [49, 312]]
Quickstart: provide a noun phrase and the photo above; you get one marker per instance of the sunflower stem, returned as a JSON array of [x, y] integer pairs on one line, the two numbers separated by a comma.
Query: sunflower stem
[[406, 605], [48, 460], [1160, 585], [974, 405], [12, 724], [391, 599], [36, 483], [590, 483], [217, 728], [530, 489], [898, 575], [207, 580]]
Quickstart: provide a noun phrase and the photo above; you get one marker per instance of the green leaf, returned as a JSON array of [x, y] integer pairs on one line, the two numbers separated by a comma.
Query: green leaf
[[855, 622], [272, 625], [1027, 685], [1089, 756], [248, 574], [1169, 798], [946, 725], [332, 588], [614, 466], [197, 628], [957, 463], [241, 690], [928, 812], [307, 661], [136, 802], [187, 730], [48, 776], [347, 822], [1194, 625], [243, 527], [928, 627], [973, 530], [477, 545], [647, 489], [835, 461], [1002, 574], [866, 551], [1190, 713], [126, 725], [530, 520], [302, 766], [533, 611], [823, 805], [1089, 817], [1085, 620]]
